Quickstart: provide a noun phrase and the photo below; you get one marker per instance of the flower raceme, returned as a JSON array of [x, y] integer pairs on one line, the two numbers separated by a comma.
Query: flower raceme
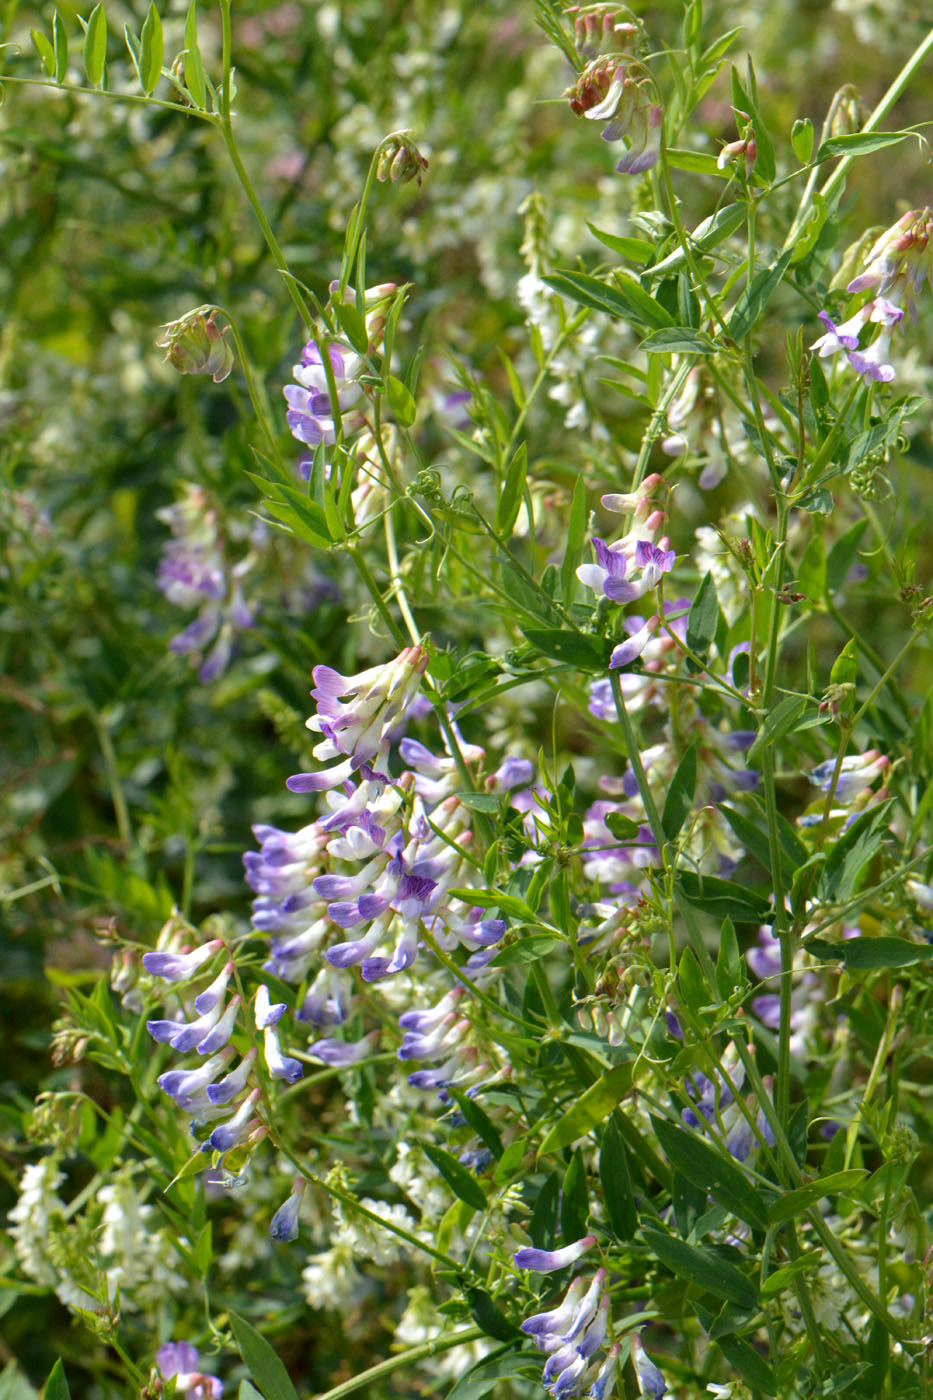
[[572, 1333], [318, 401], [194, 572], [614, 93], [895, 269], [355, 714]]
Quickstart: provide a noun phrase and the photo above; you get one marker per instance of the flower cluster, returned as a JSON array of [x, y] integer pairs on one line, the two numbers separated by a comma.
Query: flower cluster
[[895, 269], [327, 393], [369, 882], [221, 1100], [194, 572], [622, 96]]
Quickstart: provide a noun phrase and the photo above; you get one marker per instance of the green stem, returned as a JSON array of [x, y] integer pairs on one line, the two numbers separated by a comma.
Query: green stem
[[375, 592], [881, 110], [120, 809], [874, 1074], [657, 421], [226, 127], [406, 1358]]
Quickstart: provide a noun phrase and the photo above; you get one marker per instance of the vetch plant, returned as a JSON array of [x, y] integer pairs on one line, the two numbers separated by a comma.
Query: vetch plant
[[576, 1039]]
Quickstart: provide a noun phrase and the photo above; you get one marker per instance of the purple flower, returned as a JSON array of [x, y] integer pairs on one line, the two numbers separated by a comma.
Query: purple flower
[[310, 414], [545, 1261], [235, 1129], [181, 1360], [841, 337], [178, 967], [651, 1381], [604, 1382], [341, 1053], [629, 650], [279, 1066], [265, 1013], [233, 1084], [284, 1224], [872, 364]]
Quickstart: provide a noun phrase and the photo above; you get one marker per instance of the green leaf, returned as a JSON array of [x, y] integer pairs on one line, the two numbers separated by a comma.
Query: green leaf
[[616, 1182], [860, 143], [45, 51], [248, 1391], [591, 1108], [757, 294], [312, 516], [542, 1227], [574, 1200], [487, 1374], [513, 489], [353, 324], [697, 162], [743, 100], [703, 617], [705, 236], [756, 841], [801, 139], [819, 502], [623, 828], [192, 62], [95, 45], [529, 947], [782, 1278], [261, 1361], [852, 852], [794, 1203], [692, 983], [204, 1249], [486, 1315], [749, 1363], [463, 1184], [585, 652], [702, 1267], [679, 801], [626, 300], [688, 1203], [151, 50], [867, 954], [479, 801], [843, 555], [510, 1161], [845, 667], [481, 1124], [715, 1173], [730, 969], [401, 401], [724, 899], [491, 899], [576, 537], [635, 249], [679, 340], [780, 721], [56, 1387], [812, 571], [60, 47]]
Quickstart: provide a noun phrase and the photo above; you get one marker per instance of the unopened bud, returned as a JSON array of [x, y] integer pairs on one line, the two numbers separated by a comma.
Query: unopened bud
[[846, 111], [195, 345], [400, 160]]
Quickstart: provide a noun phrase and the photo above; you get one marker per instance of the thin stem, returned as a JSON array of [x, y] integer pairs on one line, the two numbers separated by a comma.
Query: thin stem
[[406, 1358], [120, 808], [226, 127], [882, 109], [874, 1074], [656, 422]]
